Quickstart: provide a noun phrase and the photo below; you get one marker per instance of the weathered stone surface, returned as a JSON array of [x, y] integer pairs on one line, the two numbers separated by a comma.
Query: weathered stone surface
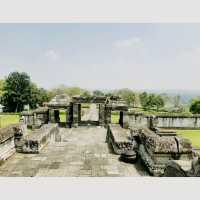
[[7, 138], [120, 139], [133, 119], [180, 168], [128, 156], [156, 151], [34, 142], [81, 152], [195, 168], [35, 118], [59, 101], [174, 169]]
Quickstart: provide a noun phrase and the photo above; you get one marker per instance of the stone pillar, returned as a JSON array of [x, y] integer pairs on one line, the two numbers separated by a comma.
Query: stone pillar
[[70, 115], [101, 114], [107, 116], [75, 115], [51, 116], [121, 118], [79, 113]]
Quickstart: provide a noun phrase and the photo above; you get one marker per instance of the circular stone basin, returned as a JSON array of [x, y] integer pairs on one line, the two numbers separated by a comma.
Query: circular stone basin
[[128, 156]]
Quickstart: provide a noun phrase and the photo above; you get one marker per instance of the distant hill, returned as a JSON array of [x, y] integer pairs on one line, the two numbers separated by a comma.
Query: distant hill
[[186, 95]]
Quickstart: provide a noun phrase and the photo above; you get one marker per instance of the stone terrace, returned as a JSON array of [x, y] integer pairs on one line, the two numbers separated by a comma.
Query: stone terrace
[[75, 152]]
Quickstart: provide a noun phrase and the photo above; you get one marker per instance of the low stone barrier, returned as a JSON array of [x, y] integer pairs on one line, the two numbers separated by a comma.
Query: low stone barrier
[[120, 139], [7, 139], [131, 119], [34, 142], [155, 151]]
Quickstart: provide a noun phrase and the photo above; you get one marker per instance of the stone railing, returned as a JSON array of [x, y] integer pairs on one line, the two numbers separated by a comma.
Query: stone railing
[[34, 142]]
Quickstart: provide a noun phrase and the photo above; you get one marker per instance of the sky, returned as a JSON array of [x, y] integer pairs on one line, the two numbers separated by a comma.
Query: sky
[[103, 56]]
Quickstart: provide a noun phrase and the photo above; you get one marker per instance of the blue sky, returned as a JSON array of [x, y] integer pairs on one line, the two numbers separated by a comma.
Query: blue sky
[[137, 56]]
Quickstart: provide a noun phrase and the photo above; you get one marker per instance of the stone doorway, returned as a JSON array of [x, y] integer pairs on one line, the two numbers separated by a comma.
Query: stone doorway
[[89, 114]]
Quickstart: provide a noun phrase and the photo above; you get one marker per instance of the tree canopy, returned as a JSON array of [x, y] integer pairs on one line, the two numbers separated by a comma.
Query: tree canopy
[[1, 87], [195, 106], [18, 90], [128, 96], [151, 101]]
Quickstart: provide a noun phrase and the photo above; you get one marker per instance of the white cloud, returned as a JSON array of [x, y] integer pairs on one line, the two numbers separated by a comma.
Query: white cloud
[[52, 54], [134, 41]]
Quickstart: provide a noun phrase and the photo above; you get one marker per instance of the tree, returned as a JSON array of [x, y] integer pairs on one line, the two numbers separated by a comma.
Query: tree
[[195, 106], [151, 101], [127, 95], [98, 93], [159, 102], [86, 94], [17, 90], [1, 89], [143, 99], [177, 101], [38, 96]]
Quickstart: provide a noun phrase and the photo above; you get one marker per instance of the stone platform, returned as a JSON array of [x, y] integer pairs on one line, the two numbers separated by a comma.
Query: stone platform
[[75, 152]]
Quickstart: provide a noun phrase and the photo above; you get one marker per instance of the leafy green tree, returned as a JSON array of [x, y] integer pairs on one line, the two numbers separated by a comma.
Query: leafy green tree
[[38, 96], [86, 94], [151, 101], [128, 96], [143, 99], [98, 93], [159, 102], [62, 89], [17, 91], [195, 106], [1, 89]]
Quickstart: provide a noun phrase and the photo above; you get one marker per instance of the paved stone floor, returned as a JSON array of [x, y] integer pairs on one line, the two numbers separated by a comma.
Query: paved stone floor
[[75, 152]]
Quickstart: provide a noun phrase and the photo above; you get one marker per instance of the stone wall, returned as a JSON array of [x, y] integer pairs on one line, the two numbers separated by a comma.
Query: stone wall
[[7, 139], [131, 120], [134, 120], [178, 122], [36, 118]]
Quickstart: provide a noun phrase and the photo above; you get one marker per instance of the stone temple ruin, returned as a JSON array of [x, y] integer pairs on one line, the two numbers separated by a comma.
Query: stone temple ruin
[[135, 137]]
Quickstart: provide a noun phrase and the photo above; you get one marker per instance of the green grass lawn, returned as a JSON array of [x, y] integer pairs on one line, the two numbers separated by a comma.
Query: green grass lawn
[[7, 119], [115, 118], [193, 135], [62, 115]]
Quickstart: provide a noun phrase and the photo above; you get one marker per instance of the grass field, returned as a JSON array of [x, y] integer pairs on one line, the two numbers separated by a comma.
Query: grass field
[[7, 119], [115, 118], [193, 135], [62, 115]]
